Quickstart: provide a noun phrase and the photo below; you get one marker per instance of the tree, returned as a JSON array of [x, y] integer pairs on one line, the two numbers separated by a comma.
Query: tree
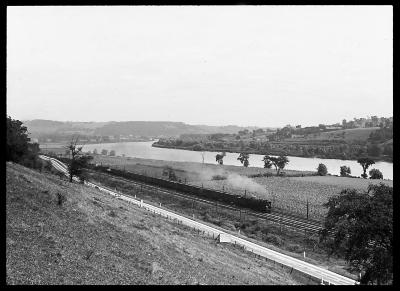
[[267, 162], [219, 158], [17, 140], [359, 225], [365, 163], [374, 150], [104, 152], [170, 173], [18, 146], [112, 153], [279, 162], [345, 171], [197, 147], [322, 170], [375, 174], [244, 159], [388, 150], [78, 160]]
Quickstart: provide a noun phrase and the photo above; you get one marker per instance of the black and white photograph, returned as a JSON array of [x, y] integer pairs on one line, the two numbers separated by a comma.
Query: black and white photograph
[[199, 144]]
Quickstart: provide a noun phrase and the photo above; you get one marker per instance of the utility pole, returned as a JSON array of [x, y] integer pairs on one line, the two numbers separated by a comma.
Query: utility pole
[[307, 208], [305, 237], [273, 198]]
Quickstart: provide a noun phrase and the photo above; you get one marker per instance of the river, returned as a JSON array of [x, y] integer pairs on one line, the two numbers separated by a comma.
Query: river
[[146, 151]]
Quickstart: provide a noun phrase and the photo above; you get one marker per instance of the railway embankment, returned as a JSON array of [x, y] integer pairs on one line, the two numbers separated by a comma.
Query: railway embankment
[[66, 233]]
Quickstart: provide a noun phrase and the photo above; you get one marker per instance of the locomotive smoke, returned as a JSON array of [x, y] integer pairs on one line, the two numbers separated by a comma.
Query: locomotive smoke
[[244, 183], [235, 181]]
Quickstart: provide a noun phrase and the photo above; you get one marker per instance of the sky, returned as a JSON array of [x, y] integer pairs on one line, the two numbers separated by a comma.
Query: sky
[[214, 65]]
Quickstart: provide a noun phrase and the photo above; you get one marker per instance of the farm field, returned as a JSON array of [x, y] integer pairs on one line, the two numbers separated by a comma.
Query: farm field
[[142, 164], [342, 134], [342, 181], [291, 193], [288, 193], [92, 238]]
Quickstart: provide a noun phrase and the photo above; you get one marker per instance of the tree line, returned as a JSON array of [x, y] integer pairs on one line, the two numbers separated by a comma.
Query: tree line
[[281, 161]]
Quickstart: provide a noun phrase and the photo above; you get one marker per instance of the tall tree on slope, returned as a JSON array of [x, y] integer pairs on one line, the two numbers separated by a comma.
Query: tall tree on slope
[[360, 227], [78, 160]]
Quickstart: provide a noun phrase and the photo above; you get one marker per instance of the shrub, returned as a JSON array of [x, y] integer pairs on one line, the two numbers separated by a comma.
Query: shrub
[[48, 166], [274, 239], [197, 147], [60, 199], [322, 170], [294, 248], [374, 150], [375, 174], [345, 171], [218, 177]]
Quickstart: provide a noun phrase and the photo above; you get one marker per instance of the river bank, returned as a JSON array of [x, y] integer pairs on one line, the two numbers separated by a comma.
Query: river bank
[[273, 153]]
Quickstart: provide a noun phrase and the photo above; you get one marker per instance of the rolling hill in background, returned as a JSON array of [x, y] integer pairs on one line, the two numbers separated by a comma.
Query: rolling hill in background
[[44, 128], [158, 128]]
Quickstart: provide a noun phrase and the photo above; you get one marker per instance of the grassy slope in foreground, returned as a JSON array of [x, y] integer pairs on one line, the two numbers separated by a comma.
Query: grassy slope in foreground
[[95, 239]]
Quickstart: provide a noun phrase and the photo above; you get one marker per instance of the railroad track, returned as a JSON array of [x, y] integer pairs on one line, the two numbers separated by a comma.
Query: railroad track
[[314, 271], [280, 218], [294, 222]]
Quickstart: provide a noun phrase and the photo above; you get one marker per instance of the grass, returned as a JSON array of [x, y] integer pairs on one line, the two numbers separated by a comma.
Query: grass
[[287, 240], [343, 134], [92, 238], [289, 193], [192, 169], [343, 182]]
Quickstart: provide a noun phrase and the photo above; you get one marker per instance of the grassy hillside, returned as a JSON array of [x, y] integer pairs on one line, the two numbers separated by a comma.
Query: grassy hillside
[[40, 127], [361, 134], [92, 238]]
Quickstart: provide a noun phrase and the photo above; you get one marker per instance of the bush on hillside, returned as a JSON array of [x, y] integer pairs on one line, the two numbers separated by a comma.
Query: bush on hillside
[[18, 146], [322, 170], [345, 171], [375, 174]]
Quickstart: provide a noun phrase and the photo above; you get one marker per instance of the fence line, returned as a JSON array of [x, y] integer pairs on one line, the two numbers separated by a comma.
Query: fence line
[[289, 262]]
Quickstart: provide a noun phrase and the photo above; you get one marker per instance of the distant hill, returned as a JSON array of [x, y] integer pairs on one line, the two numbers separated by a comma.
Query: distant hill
[[40, 127], [161, 128]]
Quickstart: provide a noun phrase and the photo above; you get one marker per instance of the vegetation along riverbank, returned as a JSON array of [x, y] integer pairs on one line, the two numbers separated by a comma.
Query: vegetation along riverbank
[[320, 142]]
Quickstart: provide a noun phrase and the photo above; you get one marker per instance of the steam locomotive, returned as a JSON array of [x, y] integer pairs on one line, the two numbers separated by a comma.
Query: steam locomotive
[[259, 205]]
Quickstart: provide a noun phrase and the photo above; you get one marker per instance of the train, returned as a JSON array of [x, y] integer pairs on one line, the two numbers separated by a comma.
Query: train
[[258, 205]]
